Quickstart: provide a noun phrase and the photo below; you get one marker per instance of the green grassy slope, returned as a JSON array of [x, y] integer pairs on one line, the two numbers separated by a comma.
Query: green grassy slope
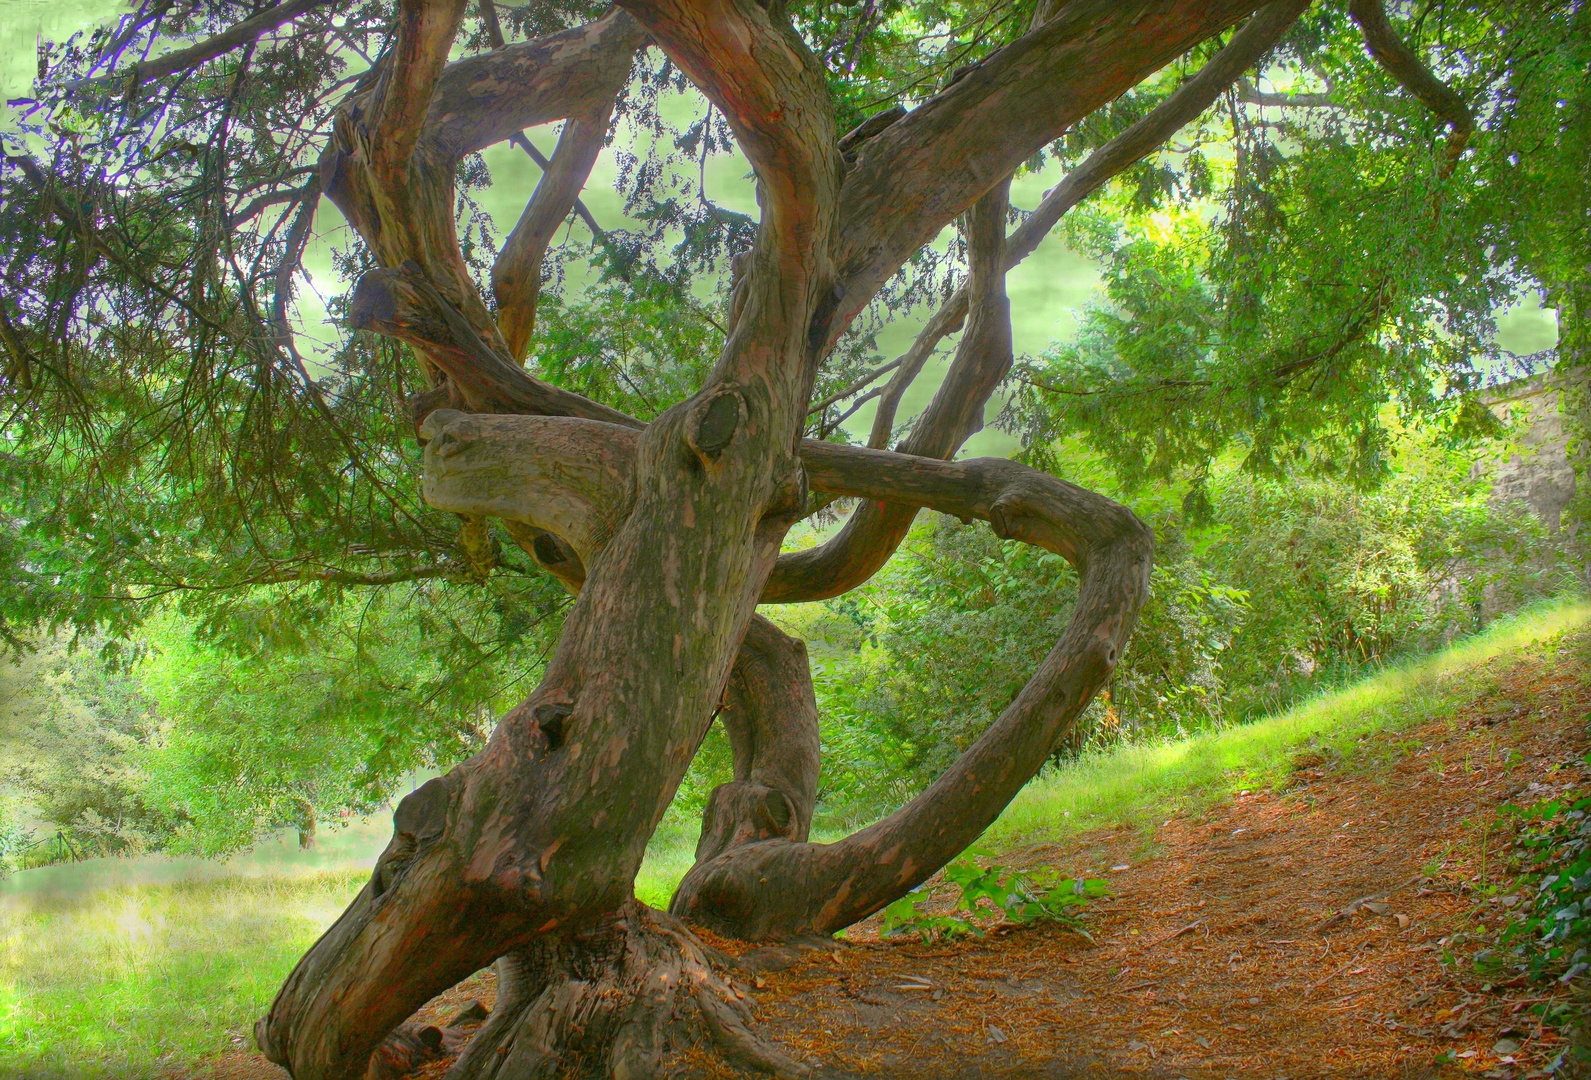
[[1142, 783]]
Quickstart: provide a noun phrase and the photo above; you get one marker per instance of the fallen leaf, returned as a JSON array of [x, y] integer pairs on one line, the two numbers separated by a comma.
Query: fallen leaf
[[1123, 866], [996, 1035], [1504, 1047], [1403, 921]]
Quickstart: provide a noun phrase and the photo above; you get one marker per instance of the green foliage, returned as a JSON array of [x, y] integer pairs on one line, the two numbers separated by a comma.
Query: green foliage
[[13, 840], [1350, 578], [333, 719], [640, 346], [68, 729], [993, 894], [1552, 938], [1286, 282]]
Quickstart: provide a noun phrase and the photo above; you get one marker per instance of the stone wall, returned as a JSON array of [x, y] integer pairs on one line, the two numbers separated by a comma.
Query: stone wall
[[1539, 473]]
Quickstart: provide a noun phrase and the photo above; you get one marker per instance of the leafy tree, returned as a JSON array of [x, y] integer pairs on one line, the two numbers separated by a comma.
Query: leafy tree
[[157, 206], [381, 686], [1297, 274], [69, 732]]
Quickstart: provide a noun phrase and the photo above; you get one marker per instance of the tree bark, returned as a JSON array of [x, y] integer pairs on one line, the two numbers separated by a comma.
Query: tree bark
[[745, 891], [614, 1000], [539, 836], [872, 533], [771, 717], [671, 531]]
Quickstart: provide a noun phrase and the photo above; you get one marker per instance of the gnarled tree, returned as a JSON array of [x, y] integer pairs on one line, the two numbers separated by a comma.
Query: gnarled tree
[[669, 531]]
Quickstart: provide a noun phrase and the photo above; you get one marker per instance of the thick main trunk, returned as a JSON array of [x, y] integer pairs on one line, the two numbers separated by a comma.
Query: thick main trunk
[[537, 839], [619, 999], [544, 830]]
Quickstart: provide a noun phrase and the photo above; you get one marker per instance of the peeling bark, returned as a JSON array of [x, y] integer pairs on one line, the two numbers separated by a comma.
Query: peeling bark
[[771, 717], [669, 532]]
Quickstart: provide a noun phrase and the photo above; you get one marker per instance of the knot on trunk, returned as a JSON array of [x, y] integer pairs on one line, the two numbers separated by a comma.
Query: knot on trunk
[[713, 424], [419, 821]]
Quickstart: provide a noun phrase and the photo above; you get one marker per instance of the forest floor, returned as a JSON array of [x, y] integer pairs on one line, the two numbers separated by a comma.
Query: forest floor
[[1297, 931]]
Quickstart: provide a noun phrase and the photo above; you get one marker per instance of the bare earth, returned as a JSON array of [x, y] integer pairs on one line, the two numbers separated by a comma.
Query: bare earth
[[1224, 951]]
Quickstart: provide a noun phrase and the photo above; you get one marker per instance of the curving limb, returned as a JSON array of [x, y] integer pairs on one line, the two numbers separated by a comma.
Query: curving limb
[[901, 192], [751, 846], [771, 717], [489, 98], [516, 275], [874, 530], [1393, 54], [403, 302], [555, 474], [745, 891], [389, 166]]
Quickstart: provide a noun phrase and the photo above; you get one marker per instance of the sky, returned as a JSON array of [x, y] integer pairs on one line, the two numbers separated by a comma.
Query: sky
[[1047, 290]]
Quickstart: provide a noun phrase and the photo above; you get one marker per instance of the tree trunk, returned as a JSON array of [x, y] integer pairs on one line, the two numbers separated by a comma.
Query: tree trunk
[[615, 1000], [671, 532]]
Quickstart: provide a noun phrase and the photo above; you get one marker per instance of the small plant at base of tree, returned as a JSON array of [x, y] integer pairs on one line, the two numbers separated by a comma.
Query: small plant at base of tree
[[994, 894]]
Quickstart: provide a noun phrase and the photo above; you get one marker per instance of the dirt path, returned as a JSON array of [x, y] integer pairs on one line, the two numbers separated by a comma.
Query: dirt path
[[1224, 951]]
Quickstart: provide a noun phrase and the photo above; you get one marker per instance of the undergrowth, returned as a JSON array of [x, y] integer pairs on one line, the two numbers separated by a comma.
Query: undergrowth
[[987, 896]]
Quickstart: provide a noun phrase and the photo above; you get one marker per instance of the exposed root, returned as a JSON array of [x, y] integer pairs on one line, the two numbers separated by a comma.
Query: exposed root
[[620, 1001], [409, 1046]]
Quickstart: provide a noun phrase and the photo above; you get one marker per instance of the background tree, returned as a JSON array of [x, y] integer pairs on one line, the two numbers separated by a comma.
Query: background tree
[[152, 359]]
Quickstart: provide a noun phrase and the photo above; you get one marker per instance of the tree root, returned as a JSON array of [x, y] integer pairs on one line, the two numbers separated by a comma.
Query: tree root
[[620, 1001]]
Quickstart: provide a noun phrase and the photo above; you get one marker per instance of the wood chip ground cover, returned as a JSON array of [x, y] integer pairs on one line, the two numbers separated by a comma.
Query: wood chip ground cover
[[1291, 934]]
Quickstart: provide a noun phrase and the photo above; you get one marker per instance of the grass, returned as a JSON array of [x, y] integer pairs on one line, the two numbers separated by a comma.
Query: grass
[[124, 981], [1138, 784]]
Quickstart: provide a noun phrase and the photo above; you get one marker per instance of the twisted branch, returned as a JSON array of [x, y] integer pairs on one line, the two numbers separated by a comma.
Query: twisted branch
[[1257, 37], [1403, 65], [745, 890], [516, 275]]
